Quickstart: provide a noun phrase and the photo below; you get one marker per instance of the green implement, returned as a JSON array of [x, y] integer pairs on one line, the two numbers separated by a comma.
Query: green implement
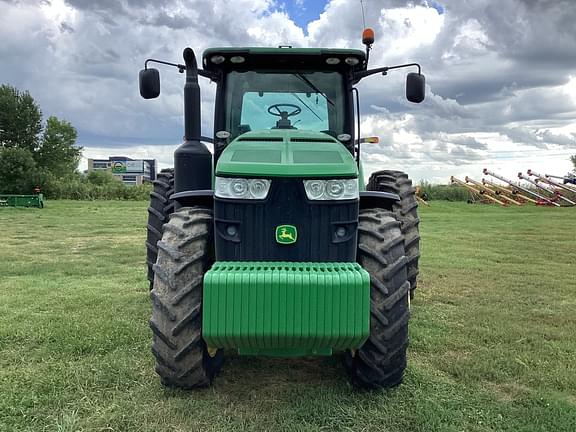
[[286, 308], [22, 201]]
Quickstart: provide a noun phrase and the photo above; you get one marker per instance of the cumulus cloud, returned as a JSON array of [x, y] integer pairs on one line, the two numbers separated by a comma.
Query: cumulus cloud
[[501, 86]]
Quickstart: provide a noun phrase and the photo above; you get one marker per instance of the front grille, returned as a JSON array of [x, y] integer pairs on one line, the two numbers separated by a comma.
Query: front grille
[[253, 233]]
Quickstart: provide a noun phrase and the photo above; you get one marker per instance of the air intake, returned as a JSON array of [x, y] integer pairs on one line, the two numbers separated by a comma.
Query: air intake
[[267, 139], [311, 140]]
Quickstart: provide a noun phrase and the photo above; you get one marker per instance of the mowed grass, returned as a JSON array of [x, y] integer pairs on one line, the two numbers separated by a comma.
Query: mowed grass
[[493, 333]]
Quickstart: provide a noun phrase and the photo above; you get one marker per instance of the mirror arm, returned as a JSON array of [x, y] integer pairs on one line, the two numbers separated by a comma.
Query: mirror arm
[[383, 70], [403, 66], [210, 75], [181, 68]]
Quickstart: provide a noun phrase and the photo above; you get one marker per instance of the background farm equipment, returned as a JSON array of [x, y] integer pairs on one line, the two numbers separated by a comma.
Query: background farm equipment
[[540, 199], [568, 180], [542, 190], [555, 195], [486, 189], [558, 189], [36, 200], [422, 196], [509, 191], [477, 194]]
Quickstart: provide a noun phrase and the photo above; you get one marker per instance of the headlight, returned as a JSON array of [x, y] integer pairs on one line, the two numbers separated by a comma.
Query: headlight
[[331, 189], [241, 188]]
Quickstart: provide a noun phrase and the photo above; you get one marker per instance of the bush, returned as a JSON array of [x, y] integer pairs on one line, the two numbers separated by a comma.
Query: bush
[[94, 186], [450, 192], [100, 178]]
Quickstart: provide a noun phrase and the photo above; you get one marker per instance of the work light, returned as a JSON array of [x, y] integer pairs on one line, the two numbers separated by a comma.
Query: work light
[[217, 59]]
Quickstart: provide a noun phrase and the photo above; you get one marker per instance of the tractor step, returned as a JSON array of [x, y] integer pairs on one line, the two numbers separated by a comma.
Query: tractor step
[[286, 308]]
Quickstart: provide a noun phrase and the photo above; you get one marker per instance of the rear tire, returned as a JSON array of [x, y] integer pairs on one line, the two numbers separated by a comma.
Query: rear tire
[[161, 206], [406, 212], [381, 361], [185, 253]]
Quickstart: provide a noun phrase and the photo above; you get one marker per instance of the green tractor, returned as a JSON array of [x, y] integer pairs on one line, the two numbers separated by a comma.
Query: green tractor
[[271, 244]]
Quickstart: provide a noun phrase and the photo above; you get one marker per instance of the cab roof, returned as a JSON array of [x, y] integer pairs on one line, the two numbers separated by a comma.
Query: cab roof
[[283, 58]]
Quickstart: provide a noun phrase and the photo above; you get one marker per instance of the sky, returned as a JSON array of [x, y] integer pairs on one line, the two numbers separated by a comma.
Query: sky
[[500, 74]]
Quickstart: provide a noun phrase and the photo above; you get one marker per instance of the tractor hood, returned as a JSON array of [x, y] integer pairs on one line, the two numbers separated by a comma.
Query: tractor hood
[[286, 153]]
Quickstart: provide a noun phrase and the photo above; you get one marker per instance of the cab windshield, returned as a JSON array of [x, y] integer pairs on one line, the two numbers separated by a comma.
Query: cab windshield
[[310, 101]]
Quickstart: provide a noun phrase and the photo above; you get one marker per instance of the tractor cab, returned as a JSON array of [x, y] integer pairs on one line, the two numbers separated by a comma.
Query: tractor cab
[[285, 88]]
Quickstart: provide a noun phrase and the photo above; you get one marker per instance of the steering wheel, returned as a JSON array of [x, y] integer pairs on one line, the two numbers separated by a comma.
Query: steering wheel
[[278, 113]]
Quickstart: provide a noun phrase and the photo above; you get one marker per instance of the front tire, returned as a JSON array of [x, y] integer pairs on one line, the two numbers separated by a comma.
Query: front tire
[[381, 361], [406, 211], [185, 253]]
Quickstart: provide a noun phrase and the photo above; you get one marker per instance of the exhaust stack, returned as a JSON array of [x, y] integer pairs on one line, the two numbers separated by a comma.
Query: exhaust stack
[[192, 160]]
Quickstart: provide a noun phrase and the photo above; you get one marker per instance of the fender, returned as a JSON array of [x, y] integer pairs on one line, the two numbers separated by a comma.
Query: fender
[[371, 199], [204, 198]]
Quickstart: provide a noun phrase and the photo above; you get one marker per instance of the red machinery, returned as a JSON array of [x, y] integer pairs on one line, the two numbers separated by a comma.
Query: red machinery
[[548, 188], [540, 199], [554, 185], [510, 191], [569, 180]]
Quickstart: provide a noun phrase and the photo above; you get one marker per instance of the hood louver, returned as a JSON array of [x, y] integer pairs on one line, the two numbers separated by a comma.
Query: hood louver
[[267, 139], [311, 140]]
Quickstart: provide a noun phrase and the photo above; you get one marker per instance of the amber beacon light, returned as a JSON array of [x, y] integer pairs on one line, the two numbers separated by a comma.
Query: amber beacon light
[[368, 36]]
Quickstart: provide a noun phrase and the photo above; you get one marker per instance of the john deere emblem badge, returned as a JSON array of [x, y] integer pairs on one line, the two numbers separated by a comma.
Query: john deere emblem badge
[[286, 234]]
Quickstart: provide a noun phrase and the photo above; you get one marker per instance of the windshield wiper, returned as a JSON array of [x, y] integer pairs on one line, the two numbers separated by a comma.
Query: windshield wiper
[[313, 87], [306, 105]]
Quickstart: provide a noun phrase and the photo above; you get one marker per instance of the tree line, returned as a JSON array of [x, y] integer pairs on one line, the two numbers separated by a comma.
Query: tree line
[[36, 154], [33, 154]]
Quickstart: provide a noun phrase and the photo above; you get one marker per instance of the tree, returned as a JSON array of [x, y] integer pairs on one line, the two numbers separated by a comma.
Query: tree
[[573, 160], [58, 152], [17, 170], [31, 153], [20, 119]]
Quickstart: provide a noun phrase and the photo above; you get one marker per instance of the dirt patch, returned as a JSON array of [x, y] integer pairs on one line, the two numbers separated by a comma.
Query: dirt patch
[[507, 392]]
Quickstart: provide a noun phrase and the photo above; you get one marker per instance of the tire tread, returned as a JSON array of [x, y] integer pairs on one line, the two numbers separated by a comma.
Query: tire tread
[[406, 210]]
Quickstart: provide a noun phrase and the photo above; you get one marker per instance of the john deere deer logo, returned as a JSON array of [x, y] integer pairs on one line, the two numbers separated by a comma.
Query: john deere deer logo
[[286, 234]]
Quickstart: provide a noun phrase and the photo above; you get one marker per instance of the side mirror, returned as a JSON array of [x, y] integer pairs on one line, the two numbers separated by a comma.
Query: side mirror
[[415, 87], [149, 80]]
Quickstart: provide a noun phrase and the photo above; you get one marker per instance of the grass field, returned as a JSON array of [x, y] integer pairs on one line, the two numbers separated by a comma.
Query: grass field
[[493, 333]]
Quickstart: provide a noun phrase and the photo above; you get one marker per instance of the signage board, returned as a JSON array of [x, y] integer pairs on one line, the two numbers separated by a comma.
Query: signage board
[[128, 166]]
